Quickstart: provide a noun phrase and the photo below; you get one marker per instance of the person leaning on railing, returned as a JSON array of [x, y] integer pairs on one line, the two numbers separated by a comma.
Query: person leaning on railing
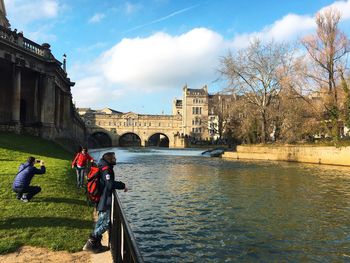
[[108, 185]]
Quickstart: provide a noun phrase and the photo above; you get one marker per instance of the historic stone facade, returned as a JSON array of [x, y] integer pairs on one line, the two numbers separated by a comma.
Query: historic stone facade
[[112, 128], [194, 111], [190, 121], [35, 90]]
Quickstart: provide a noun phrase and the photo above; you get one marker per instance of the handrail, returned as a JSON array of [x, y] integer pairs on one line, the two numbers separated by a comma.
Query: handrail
[[122, 241]]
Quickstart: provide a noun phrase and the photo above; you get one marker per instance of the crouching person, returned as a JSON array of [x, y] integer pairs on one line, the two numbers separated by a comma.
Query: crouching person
[[107, 185], [21, 184]]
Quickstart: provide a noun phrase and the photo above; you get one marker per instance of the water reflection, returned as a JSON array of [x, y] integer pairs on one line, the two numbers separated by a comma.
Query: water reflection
[[194, 209]]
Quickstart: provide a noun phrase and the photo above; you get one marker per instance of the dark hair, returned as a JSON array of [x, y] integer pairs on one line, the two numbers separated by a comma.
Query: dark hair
[[84, 148], [108, 156], [31, 159]]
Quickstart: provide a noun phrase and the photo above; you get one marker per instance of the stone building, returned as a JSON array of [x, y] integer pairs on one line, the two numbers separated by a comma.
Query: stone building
[[35, 90], [193, 107]]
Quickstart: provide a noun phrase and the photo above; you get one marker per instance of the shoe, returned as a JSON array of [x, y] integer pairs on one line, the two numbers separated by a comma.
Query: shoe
[[24, 199], [18, 196], [93, 244]]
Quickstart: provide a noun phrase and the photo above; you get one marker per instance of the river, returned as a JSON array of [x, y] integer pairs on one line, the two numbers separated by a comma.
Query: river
[[183, 207]]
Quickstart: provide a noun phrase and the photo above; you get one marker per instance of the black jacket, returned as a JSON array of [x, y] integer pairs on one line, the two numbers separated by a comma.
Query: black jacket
[[108, 185]]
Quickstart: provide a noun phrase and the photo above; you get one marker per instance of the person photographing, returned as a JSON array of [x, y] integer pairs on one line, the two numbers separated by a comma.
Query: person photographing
[[26, 171]]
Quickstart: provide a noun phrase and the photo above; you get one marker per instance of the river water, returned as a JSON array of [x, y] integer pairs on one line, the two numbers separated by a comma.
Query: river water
[[183, 207]]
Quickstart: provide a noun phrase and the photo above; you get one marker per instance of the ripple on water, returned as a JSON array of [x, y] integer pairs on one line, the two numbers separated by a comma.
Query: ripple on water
[[194, 209]]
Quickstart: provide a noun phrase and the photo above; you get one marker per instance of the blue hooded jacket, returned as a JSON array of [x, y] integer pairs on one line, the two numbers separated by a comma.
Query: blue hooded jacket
[[25, 175], [108, 185]]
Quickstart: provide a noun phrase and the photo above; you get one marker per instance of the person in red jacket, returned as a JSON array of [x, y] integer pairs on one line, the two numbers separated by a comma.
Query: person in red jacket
[[79, 163]]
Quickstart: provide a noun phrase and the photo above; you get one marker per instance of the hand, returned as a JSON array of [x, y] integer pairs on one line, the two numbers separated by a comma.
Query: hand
[[126, 189], [72, 166]]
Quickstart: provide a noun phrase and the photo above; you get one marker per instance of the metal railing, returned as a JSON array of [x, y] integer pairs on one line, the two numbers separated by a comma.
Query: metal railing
[[122, 242]]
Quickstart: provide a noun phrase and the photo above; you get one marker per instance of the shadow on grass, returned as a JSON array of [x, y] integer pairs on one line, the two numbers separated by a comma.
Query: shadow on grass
[[23, 222], [61, 200], [33, 146]]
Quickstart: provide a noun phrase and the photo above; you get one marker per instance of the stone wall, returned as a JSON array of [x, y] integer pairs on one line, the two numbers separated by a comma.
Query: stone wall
[[304, 154]]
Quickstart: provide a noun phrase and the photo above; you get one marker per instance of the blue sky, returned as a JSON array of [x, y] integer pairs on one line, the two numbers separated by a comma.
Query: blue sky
[[137, 55]]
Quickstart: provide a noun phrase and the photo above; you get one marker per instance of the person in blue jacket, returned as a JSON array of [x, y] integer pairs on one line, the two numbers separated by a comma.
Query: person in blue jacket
[[107, 186], [21, 185]]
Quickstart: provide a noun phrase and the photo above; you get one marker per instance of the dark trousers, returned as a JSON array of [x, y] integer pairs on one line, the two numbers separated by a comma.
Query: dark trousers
[[80, 176], [27, 192]]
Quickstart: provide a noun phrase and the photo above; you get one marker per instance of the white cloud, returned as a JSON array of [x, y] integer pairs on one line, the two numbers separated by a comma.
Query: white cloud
[[290, 27], [286, 29], [158, 62], [97, 18], [24, 11], [162, 60]]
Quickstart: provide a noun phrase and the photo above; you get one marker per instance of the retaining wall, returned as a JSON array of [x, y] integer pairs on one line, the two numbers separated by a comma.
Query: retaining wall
[[305, 154]]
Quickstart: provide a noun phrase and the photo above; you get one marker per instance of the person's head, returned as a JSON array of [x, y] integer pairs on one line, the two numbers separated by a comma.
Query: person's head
[[84, 150], [31, 160], [110, 158]]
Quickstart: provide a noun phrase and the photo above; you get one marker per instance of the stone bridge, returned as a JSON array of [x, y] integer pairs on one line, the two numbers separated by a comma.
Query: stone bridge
[[112, 128]]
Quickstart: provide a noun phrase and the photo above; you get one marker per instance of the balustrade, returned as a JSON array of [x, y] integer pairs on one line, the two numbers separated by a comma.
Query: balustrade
[[13, 37]]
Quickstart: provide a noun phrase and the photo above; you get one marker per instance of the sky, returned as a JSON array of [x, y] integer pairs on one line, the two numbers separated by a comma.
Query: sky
[[138, 55]]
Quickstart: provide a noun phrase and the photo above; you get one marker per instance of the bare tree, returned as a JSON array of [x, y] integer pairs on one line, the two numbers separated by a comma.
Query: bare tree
[[327, 50], [256, 73], [221, 108]]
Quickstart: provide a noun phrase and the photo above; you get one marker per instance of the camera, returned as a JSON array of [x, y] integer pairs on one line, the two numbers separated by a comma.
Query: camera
[[37, 161]]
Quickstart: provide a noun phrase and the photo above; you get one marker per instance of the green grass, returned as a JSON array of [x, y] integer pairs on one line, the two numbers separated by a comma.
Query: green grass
[[58, 217]]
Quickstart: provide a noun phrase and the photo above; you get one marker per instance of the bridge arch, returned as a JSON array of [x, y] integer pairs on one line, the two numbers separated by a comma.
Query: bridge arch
[[129, 139], [99, 140], [159, 139]]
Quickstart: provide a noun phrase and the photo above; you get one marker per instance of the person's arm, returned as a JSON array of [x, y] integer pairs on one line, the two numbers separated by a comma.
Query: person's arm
[[42, 170], [75, 160], [89, 157]]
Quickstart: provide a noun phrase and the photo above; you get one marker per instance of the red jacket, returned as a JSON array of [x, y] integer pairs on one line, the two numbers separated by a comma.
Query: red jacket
[[81, 159]]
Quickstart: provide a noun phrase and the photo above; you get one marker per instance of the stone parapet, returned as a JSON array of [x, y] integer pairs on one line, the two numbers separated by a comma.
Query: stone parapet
[[304, 154]]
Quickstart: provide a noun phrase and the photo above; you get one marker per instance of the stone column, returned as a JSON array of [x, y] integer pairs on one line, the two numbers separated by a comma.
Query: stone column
[[16, 99], [36, 98], [58, 108], [48, 101]]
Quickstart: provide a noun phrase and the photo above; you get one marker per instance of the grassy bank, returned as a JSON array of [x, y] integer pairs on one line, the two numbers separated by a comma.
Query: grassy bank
[[57, 218]]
